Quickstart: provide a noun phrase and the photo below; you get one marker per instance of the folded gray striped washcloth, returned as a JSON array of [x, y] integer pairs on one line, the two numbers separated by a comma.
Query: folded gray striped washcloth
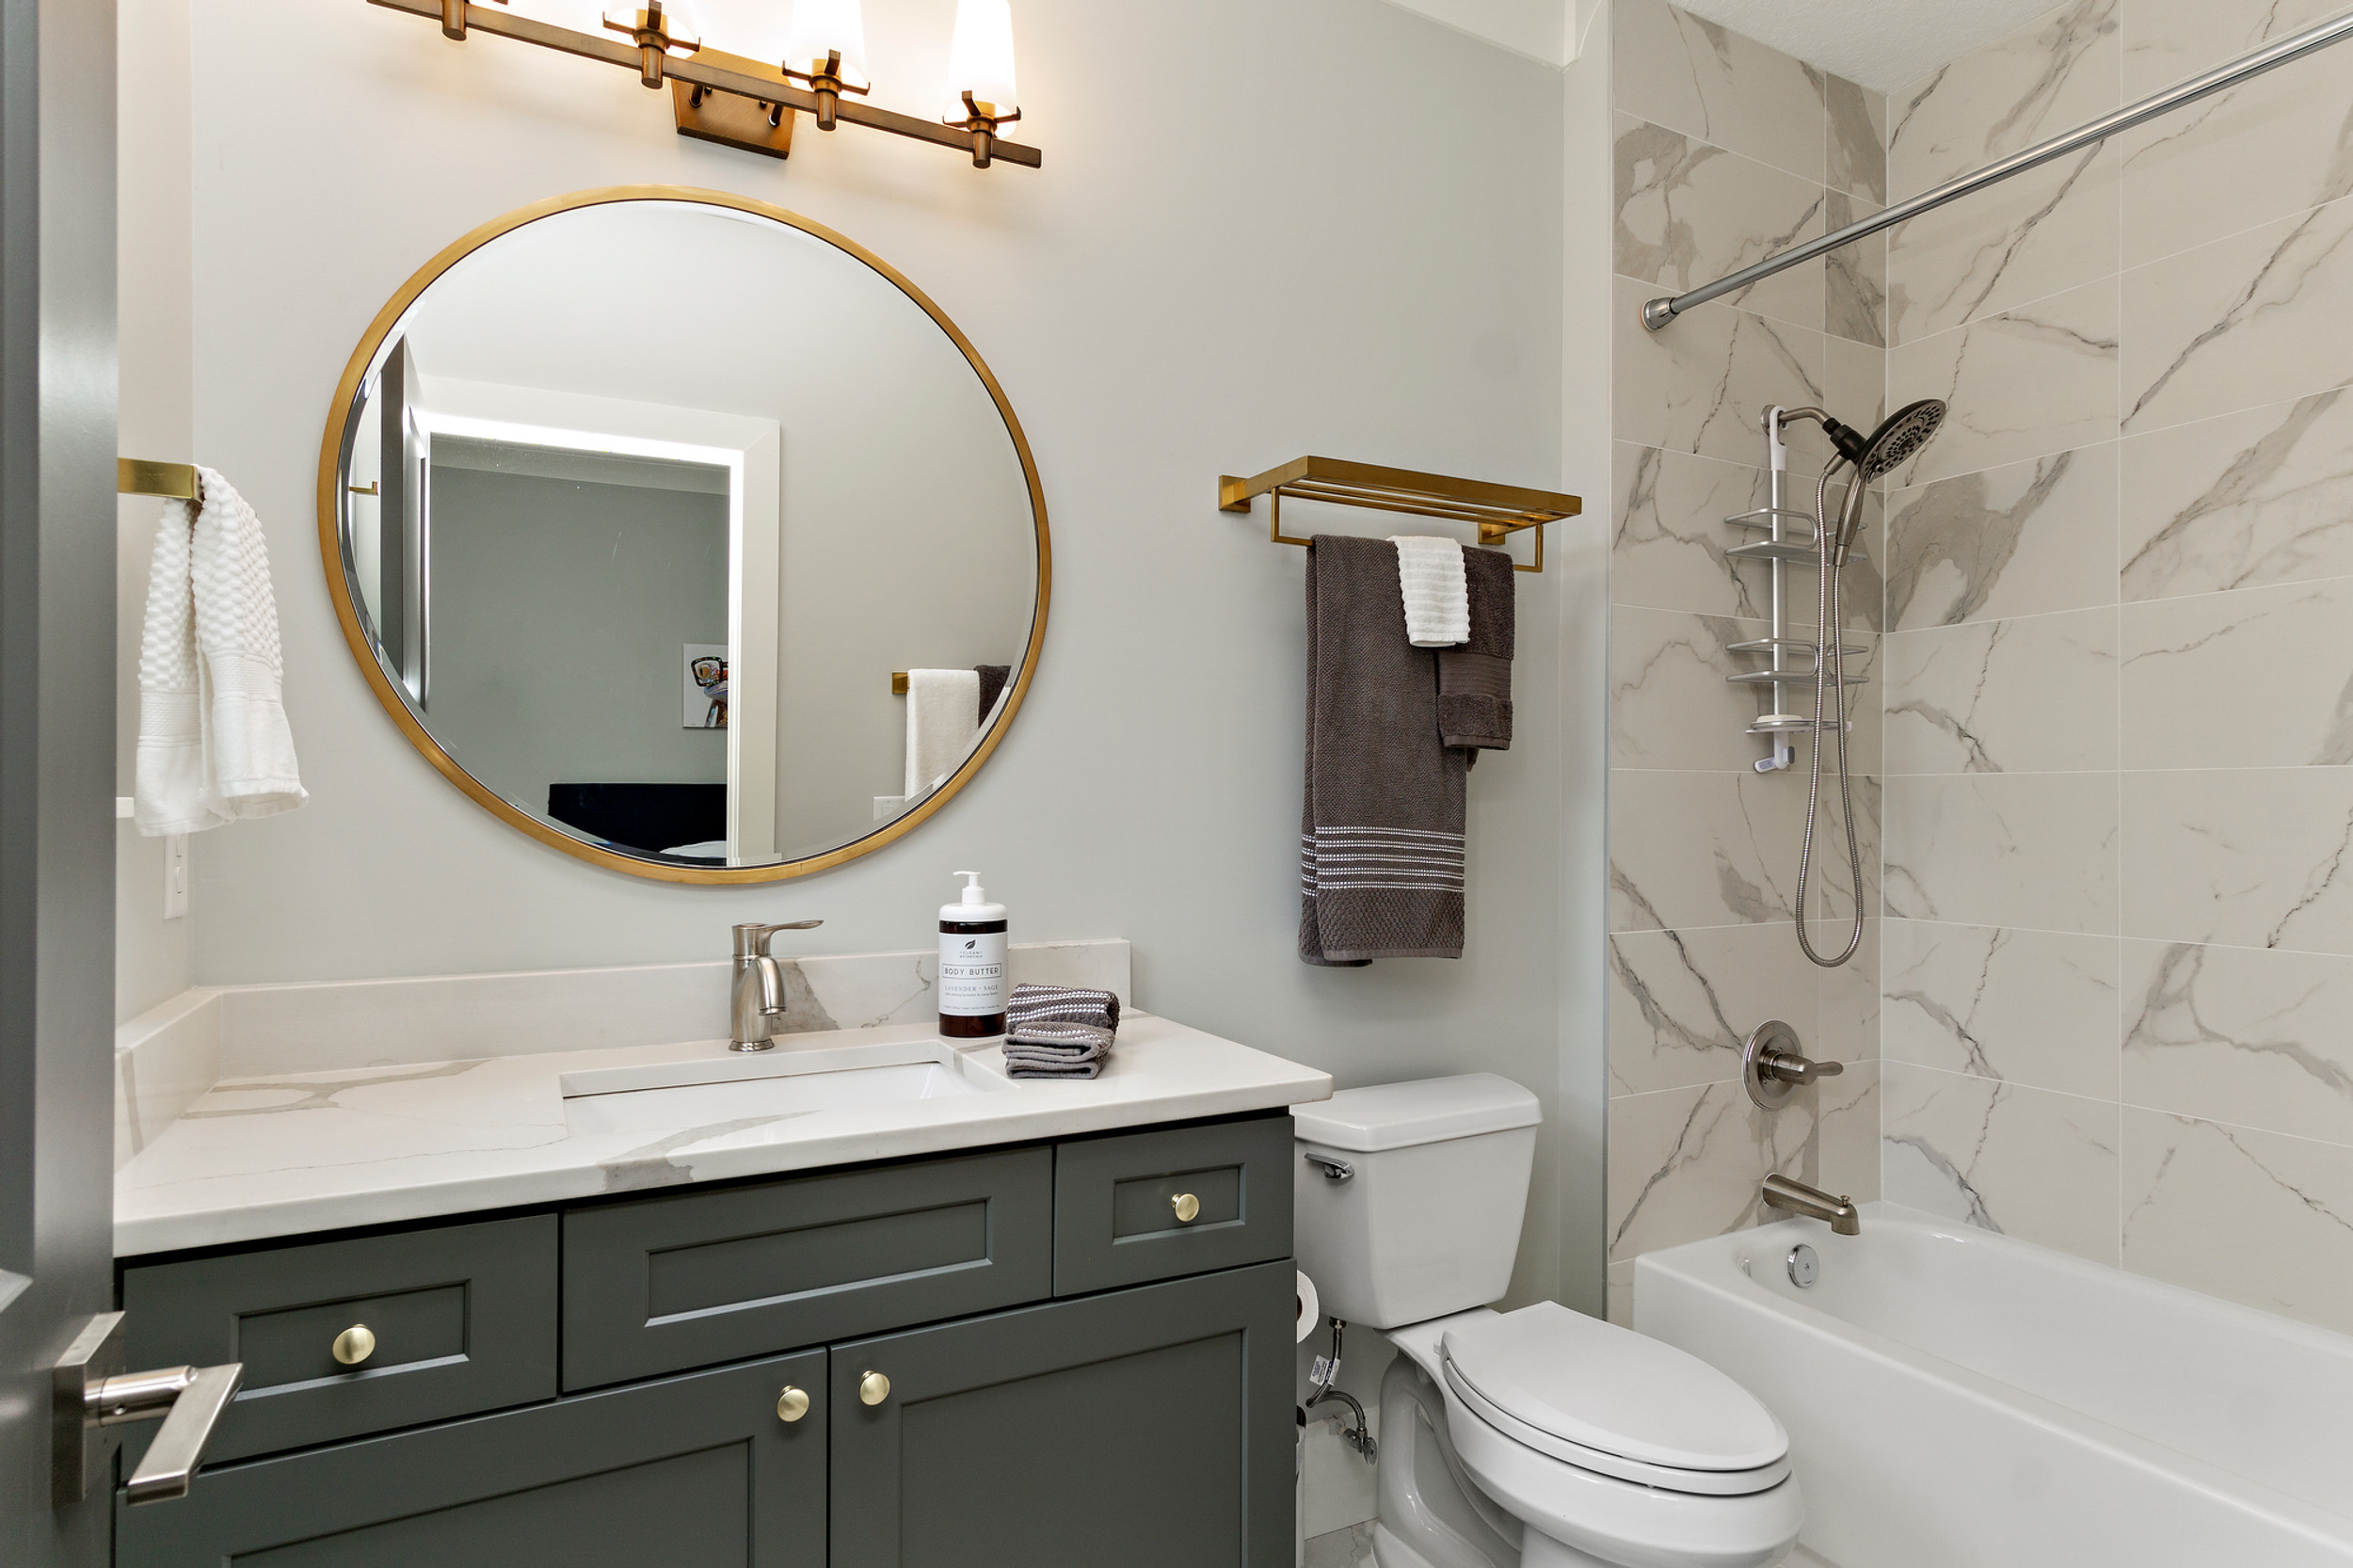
[[1058, 1030]]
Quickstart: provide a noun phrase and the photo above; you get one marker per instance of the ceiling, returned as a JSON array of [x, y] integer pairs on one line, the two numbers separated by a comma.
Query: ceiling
[[1886, 44]]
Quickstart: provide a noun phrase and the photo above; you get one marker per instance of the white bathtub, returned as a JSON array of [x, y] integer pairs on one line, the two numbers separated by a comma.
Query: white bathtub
[[1961, 1399]]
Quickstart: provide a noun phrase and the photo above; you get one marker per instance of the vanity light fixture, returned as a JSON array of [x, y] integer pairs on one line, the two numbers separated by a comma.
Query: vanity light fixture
[[748, 104], [830, 37], [980, 73]]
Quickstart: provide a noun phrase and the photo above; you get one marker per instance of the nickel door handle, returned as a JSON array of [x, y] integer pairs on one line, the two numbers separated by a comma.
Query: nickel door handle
[[90, 1399], [190, 1400]]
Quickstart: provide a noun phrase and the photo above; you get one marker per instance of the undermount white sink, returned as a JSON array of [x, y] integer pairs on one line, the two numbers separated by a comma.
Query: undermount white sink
[[673, 1095]]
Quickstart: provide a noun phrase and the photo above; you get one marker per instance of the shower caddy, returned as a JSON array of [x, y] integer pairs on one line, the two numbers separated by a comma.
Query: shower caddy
[[1788, 541]]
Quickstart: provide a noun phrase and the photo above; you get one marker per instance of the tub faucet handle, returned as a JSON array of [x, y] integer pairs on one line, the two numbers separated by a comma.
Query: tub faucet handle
[[1773, 1066], [1798, 1070]]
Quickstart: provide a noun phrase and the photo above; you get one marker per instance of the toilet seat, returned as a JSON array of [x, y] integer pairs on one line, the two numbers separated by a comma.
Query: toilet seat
[[1609, 1400]]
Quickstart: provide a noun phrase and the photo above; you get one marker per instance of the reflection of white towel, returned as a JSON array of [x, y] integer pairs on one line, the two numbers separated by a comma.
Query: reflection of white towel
[[214, 746], [943, 721], [1437, 598]]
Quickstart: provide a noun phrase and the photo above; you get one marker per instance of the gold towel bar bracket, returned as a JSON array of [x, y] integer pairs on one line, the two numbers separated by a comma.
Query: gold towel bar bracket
[[173, 481], [898, 682], [1500, 510]]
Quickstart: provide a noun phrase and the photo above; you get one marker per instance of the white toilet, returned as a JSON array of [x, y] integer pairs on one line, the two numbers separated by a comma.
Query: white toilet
[[1540, 1437]]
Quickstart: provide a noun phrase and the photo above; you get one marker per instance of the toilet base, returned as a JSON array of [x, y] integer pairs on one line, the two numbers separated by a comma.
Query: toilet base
[[1539, 1551]]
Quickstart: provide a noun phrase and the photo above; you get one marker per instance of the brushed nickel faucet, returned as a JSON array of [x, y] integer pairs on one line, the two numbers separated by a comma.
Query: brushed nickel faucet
[[758, 994], [1795, 1197]]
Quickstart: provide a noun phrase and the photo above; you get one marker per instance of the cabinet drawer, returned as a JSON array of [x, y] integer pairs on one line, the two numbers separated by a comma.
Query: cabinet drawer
[[686, 1281], [1118, 1203], [463, 1315], [690, 1472]]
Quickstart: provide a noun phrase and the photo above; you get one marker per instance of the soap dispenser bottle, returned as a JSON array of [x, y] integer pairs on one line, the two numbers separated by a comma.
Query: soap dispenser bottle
[[971, 965]]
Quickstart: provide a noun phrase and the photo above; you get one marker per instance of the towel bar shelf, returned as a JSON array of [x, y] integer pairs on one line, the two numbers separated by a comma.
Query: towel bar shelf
[[174, 481], [1500, 510]]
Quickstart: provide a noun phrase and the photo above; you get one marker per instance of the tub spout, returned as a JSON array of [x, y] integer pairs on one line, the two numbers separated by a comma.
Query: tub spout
[[1779, 1191]]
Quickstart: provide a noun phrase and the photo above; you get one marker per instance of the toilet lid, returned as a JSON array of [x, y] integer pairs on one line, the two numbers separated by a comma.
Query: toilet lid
[[1613, 1390]]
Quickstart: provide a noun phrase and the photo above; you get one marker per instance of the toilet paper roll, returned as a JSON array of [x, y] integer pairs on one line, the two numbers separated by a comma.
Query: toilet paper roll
[[1310, 1310]]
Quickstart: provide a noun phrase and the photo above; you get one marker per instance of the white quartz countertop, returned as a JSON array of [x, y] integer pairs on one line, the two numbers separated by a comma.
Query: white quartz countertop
[[296, 1152]]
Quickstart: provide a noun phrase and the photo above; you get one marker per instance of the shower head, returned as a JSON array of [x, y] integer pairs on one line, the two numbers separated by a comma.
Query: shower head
[[1899, 435]]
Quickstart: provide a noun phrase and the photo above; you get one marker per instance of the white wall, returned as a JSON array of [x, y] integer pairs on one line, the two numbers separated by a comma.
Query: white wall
[[1221, 267], [155, 958]]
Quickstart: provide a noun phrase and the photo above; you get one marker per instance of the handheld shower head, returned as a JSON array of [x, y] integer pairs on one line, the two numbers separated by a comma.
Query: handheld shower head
[[1898, 439], [1899, 435]]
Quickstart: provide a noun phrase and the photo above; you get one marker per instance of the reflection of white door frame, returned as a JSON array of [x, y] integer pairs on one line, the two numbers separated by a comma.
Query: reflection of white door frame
[[752, 450]]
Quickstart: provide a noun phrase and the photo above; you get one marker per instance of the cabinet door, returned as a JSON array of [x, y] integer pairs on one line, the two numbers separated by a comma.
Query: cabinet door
[[688, 1472], [1149, 1427]]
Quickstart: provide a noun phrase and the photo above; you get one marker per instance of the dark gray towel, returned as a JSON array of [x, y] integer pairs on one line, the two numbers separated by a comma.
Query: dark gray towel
[[1475, 679], [1077, 1005], [1380, 835], [993, 678], [1058, 1030]]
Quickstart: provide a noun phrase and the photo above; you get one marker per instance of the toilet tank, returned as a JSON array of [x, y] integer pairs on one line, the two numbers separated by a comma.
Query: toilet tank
[[1426, 1221]]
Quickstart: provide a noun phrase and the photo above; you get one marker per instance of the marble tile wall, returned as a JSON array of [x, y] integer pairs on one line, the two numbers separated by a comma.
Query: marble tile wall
[[2117, 744], [1727, 151]]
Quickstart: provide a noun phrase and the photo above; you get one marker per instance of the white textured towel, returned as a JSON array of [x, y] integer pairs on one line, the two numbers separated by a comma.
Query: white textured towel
[[1437, 599], [213, 745], [943, 721]]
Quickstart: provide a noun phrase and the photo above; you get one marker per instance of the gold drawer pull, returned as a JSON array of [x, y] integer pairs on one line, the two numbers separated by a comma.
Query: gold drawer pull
[[791, 1405], [1188, 1207], [873, 1389], [355, 1345]]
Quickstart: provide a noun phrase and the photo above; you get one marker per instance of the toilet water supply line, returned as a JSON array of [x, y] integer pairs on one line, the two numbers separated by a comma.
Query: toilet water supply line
[[1322, 1376]]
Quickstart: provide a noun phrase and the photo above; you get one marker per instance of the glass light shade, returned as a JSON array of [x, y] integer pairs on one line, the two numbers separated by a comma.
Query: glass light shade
[[980, 58], [825, 27]]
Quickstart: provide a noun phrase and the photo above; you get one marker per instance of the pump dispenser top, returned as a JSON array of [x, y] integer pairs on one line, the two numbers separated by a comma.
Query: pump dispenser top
[[973, 904]]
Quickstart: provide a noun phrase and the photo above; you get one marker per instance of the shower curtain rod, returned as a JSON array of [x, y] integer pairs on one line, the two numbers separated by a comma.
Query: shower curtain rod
[[1657, 312]]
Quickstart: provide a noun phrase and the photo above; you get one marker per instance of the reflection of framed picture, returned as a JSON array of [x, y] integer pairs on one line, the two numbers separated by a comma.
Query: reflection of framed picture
[[706, 686]]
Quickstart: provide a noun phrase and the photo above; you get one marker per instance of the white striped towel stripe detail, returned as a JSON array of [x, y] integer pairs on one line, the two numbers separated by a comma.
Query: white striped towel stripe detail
[[1401, 859]]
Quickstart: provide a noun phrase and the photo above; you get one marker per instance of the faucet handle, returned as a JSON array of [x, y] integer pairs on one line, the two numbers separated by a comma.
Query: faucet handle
[[1773, 1065], [752, 938]]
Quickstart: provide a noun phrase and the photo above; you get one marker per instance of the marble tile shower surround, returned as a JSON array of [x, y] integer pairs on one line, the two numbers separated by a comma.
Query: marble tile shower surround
[[169, 1057], [1727, 151], [2118, 739]]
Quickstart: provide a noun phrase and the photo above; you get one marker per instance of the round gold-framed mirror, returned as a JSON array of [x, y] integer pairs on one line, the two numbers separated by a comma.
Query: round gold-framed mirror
[[683, 534]]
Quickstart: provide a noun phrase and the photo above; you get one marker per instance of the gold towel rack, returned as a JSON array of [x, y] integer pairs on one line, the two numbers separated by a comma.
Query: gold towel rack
[[1500, 510], [898, 682], [174, 481]]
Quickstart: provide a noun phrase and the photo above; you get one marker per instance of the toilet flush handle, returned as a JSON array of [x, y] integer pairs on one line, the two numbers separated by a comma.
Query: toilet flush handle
[[1333, 1170]]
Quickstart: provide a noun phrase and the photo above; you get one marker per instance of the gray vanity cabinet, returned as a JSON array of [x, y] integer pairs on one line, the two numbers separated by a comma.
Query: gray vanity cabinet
[[688, 1472], [1053, 1356], [1148, 1428]]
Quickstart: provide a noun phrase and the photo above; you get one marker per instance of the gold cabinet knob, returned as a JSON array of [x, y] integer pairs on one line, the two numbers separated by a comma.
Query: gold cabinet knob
[[873, 1389], [1188, 1207], [354, 1345], [791, 1405]]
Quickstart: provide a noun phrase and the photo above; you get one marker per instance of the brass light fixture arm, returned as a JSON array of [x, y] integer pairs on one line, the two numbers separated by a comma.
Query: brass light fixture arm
[[828, 84], [982, 120], [763, 85]]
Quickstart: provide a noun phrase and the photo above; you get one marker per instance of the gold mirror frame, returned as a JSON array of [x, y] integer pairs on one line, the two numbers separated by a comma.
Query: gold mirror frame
[[332, 503]]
